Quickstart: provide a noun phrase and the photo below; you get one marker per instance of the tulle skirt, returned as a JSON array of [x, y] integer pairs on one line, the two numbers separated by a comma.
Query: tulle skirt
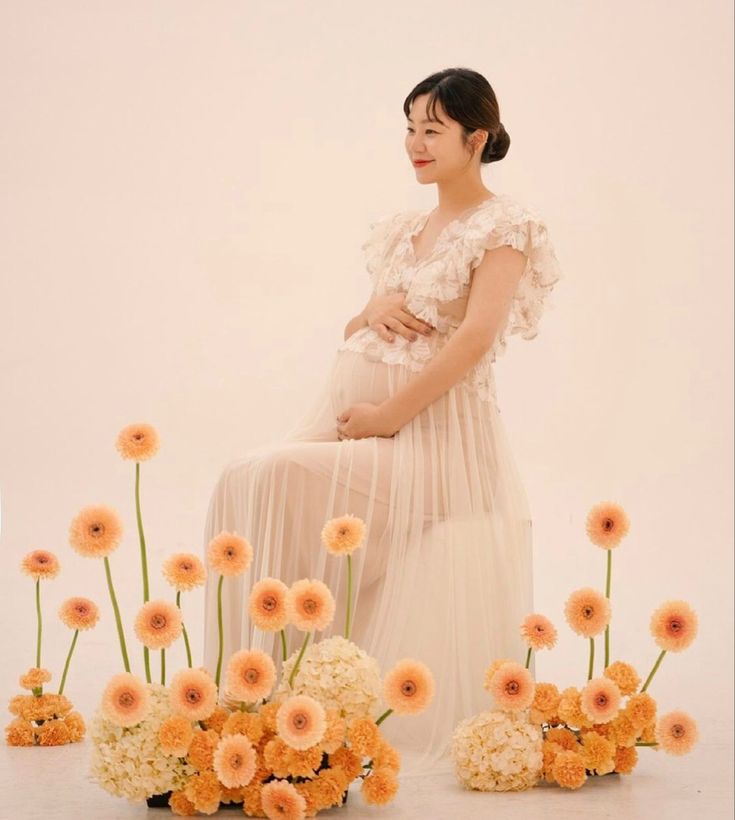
[[445, 572]]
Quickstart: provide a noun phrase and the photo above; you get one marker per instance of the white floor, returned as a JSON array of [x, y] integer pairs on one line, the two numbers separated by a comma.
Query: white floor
[[52, 783]]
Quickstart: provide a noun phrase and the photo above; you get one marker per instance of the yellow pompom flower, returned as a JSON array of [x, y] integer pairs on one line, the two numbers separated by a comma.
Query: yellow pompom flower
[[201, 748], [334, 735], [570, 709], [674, 625], [343, 535], [409, 687], [184, 571], [624, 733], [624, 676], [229, 554], [138, 442], [607, 524], [641, 709], [181, 805], [568, 769], [676, 733], [175, 736], [40, 565], [386, 757], [36, 676], [249, 724], [348, 761], [96, 531], [537, 632], [364, 736], [545, 703], [626, 758], [562, 737], [204, 791], [598, 753], [379, 787], [587, 612]]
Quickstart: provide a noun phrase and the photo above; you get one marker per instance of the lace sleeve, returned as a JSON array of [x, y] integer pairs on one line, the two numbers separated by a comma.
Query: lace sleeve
[[379, 243], [522, 228]]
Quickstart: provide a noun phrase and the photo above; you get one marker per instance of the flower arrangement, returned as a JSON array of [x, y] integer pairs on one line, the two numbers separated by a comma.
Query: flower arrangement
[[48, 719], [538, 734], [240, 737]]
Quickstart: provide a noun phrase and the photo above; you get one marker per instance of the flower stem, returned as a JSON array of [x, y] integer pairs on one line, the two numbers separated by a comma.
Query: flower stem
[[38, 621], [592, 658], [646, 744], [383, 717], [116, 608], [348, 619], [184, 632], [163, 666], [68, 658], [143, 563], [528, 657], [607, 595], [298, 660], [283, 644], [653, 671], [220, 629]]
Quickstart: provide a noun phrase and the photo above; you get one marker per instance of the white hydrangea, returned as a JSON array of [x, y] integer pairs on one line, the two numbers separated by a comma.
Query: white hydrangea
[[497, 751], [338, 674], [128, 762]]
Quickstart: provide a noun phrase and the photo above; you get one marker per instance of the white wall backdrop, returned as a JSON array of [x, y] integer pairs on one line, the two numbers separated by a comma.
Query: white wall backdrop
[[185, 189]]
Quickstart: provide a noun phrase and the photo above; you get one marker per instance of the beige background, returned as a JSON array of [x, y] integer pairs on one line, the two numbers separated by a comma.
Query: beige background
[[185, 189]]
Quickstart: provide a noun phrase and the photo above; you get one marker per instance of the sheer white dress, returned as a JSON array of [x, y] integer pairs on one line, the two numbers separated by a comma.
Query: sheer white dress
[[445, 575]]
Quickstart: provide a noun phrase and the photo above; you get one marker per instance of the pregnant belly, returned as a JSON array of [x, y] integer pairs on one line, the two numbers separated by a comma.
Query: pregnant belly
[[355, 378]]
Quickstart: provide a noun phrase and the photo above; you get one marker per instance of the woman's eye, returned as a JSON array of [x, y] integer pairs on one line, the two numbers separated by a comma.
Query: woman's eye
[[428, 130]]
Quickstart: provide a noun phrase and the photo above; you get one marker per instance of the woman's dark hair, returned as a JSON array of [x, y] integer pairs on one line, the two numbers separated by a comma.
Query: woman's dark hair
[[468, 98]]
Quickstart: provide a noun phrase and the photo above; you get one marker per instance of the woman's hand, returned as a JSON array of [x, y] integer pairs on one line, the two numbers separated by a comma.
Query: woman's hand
[[365, 419], [386, 315]]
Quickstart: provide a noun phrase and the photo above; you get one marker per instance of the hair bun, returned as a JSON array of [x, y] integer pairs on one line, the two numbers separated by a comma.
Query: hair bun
[[497, 146]]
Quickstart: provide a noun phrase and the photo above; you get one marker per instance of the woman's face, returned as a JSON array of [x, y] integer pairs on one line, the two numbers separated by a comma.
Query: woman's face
[[438, 142]]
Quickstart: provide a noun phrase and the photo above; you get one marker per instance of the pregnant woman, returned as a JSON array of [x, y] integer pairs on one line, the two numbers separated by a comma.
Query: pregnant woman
[[406, 435]]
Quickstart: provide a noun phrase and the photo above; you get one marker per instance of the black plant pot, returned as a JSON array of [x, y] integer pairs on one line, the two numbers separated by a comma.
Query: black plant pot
[[158, 801]]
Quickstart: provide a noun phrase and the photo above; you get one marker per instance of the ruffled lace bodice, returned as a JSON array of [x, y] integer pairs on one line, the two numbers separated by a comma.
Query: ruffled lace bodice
[[437, 286]]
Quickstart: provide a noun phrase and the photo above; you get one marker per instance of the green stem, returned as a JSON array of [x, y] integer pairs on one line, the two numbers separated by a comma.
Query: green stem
[[183, 630], [163, 666], [653, 671], [528, 657], [143, 563], [220, 629], [38, 621], [383, 717], [646, 744], [298, 660], [607, 595], [592, 659], [68, 659], [283, 644], [116, 608], [348, 620]]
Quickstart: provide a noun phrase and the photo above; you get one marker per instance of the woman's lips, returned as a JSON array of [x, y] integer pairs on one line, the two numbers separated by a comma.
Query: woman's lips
[[421, 163]]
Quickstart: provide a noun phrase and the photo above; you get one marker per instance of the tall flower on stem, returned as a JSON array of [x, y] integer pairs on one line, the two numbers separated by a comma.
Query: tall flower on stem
[[587, 612], [607, 524], [311, 607], [342, 536], [184, 571], [157, 625], [78, 614], [537, 632], [139, 442], [95, 532], [674, 626], [408, 688], [268, 610], [228, 554], [37, 565]]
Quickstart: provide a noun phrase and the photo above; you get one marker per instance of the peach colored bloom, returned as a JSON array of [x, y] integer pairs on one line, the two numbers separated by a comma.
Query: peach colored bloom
[[568, 769], [125, 700], [75, 724], [249, 724], [181, 805], [40, 565], [538, 632], [217, 719], [676, 732], [625, 676], [625, 759], [175, 736], [598, 753], [334, 734], [310, 605], [562, 737], [229, 554], [204, 791], [267, 605], [234, 761], [379, 787], [53, 733], [201, 748], [546, 701], [409, 687], [250, 675], [364, 736], [348, 761], [513, 687], [138, 442], [96, 531], [184, 571], [343, 535], [600, 700], [79, 613], [20, 732], [607, 524], [641, 709], [193, 694], [158, 624], [587, 612], [570, 708], [385, 757], [492, 669], [623, 731], [674, 625], [281, 800], [36, 676], [301, 721]]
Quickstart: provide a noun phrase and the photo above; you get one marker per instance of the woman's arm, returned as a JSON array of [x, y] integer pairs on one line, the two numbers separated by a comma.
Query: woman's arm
[[355, 324], [493, 283]]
